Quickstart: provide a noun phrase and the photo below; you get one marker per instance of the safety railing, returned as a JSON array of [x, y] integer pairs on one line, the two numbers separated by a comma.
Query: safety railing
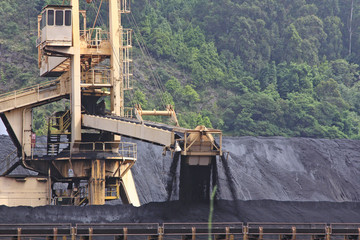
[[195, 136], [66, 197], [117, 229], [127, 38], [35, 88], [95, 36], [129, 112], [199, 229], [112, 192], [192, 231], [32, 230], [60, 124], [126, 149], [124, 6], [126, 43], [95, 77], [127, 69]]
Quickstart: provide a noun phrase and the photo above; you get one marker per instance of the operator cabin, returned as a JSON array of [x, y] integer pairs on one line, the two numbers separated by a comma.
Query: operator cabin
[[55, 31]]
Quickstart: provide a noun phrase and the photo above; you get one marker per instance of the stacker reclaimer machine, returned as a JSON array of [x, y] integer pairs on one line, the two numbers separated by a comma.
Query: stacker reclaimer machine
[[84, 148]]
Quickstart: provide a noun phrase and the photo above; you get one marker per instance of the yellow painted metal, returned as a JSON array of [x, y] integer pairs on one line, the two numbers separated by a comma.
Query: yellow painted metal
[[170, 112], [127, 151], [200, 146], [97, 183], [77, 60], [140, 131], [131, 196], [27, 191], [60, 124], [201, 140], [73, 233], [112, 192], [116, 59], [20, 122], [245, 232], [124, 6], [32, 96], [75, 96]]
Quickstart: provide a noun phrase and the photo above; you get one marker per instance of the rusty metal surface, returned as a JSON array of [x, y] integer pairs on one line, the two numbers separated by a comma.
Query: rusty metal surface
[[217, 230]]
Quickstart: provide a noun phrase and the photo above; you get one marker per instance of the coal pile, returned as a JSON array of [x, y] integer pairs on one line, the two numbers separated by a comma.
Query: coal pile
[[275, 168], [272, 179], [175, 211]]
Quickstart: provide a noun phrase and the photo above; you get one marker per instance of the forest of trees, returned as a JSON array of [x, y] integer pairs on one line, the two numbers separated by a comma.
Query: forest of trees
[[248, 67]]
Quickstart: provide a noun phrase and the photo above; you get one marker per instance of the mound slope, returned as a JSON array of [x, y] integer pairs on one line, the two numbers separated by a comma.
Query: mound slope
[[276, 179]]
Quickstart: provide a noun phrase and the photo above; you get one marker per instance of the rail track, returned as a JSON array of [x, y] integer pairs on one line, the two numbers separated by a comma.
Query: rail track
[[184, 231]]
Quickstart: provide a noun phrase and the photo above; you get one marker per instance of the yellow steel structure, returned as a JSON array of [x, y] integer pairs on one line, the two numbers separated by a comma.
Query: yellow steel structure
[[135, 130], [22, 191], [81, 145], [169, 112]]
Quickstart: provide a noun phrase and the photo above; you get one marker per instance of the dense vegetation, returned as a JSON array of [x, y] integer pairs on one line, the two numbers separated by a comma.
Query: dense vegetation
[[248, 67]]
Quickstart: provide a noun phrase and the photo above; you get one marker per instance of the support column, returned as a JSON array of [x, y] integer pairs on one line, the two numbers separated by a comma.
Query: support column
[[116, 63], [27, 130], [116, 59], [128, 191], [75, 76], [97, 183], [20, 121]]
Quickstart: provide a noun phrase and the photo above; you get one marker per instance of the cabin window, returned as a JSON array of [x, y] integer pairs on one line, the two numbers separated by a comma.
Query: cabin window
[[50, 17], [67, 18], [59, 18]]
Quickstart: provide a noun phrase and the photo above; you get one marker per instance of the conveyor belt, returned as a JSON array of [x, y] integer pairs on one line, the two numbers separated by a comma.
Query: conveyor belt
[[156, 133], [159, 134], [178, 130], [39, 94], [160, 231]]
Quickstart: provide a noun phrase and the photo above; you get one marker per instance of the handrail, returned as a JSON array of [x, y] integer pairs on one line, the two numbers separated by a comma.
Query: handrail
[[61, 122], [95, 40], [126, 149], [124, 6], [82, 201], [30, 88], [96, 76], [219, 230]]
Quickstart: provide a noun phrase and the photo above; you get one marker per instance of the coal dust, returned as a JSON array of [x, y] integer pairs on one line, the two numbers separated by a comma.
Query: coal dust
[[271, 179]]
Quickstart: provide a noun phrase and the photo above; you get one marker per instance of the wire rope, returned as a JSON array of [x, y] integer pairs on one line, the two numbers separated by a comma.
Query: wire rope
[[148, 59], [115, 53], [160, 88]]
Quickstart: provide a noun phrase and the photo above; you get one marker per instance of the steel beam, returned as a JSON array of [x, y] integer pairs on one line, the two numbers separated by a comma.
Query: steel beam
[[116, 59], [34, 95], [129, 194], [75, 76], [97, 183], [133, 130]]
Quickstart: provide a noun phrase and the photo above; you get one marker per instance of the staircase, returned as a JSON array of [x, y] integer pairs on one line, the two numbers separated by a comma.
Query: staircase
[[58, 125], [53, 142]]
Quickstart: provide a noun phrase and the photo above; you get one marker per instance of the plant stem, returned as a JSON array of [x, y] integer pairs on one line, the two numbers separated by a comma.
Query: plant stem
[[211, 211]]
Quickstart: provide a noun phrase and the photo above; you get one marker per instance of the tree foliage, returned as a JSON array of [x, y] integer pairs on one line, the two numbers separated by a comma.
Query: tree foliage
[[249, 67]]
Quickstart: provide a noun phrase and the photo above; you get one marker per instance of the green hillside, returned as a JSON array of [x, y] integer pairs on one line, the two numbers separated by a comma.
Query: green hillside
[[248, 67]]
